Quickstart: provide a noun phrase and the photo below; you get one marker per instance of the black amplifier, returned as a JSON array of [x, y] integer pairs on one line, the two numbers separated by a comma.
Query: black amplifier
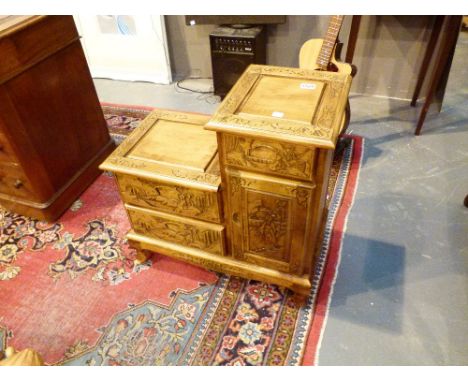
[[232, 51]]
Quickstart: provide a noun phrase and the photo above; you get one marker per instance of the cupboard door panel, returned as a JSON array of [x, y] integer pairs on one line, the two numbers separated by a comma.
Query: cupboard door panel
[[269, 220]]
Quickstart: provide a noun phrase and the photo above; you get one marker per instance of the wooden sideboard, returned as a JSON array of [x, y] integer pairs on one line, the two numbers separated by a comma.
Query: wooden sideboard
[[52, 130], [247, 198]]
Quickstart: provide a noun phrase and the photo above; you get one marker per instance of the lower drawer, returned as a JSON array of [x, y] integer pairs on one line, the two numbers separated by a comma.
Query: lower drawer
[[183, 231]]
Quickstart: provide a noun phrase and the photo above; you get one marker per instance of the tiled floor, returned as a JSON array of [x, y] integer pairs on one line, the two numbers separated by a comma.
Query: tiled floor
[[401, 295]]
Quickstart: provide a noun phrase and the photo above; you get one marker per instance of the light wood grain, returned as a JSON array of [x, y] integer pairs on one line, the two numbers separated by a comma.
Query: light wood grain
[[178, 144], [299, 99], [317, 123], [257, 209]]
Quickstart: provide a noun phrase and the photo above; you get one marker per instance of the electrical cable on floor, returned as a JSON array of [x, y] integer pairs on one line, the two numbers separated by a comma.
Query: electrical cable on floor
[[206, 96], [192, 90]]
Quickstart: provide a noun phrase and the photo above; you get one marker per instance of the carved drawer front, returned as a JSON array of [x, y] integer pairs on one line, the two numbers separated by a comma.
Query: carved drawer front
[[180, 200], [269, 220], [14, 182], [207, 237], [271, 157]]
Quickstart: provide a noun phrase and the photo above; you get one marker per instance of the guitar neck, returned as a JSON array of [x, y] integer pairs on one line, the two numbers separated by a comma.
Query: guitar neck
[[324, 57]]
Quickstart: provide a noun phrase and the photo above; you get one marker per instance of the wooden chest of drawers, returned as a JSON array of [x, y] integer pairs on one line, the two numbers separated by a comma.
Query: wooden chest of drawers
[[52, 130], [258, 211], [168, 175]]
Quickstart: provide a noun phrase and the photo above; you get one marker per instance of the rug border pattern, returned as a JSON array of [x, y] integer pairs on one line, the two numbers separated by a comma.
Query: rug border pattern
[[305, 315]]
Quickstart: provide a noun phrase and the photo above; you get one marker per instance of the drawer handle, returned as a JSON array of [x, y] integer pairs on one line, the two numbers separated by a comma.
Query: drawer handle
[[235, 217], [18, 183]]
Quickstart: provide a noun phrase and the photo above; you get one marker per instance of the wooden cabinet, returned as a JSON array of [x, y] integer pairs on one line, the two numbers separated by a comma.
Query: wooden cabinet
[[276, 130], [52, 130], [258, 210]]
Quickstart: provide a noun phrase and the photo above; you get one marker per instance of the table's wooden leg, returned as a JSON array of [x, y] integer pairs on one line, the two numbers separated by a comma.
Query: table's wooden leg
[[353, 33], [427, 57], [448, 42]]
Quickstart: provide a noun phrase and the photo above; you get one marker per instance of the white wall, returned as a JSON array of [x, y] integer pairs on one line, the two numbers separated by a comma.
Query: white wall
[[131, 48]]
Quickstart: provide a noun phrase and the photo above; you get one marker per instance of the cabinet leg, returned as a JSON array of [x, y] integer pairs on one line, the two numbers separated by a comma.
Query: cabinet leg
[[300, 299], [142, 255]]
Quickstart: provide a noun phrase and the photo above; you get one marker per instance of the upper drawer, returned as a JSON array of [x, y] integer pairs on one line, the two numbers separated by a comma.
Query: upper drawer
[[14, 182], [32, 40], [268, 156], [170, 163], [176, 199]]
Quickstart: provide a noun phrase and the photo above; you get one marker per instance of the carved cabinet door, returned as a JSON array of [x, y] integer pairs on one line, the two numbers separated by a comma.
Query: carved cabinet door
[[269, 220]]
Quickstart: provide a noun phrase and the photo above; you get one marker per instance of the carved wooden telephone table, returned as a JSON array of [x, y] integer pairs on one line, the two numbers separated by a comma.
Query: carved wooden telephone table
[[242, 192]]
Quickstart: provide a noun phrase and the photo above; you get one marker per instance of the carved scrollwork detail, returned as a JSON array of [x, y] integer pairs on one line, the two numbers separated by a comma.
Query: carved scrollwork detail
[[235, 184], [171, 115], [302, 196], [327, 116], [244, 83], [119, 161], [298, 72], [284, 71], [201, 178], [335, 89], [246, 183], [282, 127]]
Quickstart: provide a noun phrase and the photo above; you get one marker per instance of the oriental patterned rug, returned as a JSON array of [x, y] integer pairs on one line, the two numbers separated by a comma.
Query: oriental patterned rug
[[70, 291]]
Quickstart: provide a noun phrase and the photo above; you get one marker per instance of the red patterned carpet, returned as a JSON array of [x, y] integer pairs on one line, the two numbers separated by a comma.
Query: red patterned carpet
[[70, 291]]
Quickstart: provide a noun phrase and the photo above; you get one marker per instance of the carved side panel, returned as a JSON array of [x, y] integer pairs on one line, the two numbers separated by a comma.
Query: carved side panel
[[169, 198], [189, 235], [269, 156]]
